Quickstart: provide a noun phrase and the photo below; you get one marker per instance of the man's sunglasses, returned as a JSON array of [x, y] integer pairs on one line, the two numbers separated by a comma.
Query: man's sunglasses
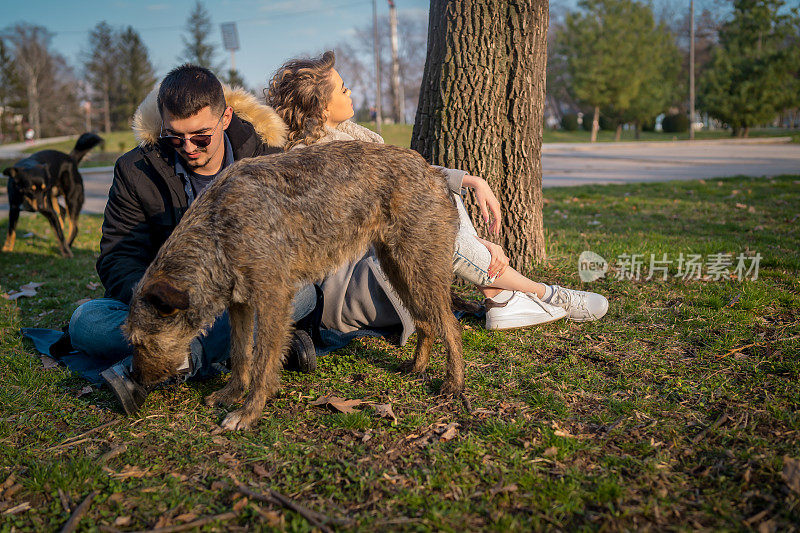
[[201, 141]]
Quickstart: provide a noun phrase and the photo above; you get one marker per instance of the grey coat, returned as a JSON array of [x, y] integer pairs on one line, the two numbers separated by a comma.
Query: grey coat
[[358, 295]]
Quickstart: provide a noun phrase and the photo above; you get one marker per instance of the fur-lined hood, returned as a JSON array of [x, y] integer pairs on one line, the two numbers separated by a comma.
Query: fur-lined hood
[[269, 126]]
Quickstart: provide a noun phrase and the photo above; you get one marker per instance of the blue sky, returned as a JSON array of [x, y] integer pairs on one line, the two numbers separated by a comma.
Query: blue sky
[[270, 31]]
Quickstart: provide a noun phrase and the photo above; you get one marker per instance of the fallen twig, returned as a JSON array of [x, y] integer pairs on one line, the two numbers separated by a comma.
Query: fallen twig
[[700, 436], [72, 523], [113, 452], [467, 403], [191, 525], [276, 498], [71, 440]]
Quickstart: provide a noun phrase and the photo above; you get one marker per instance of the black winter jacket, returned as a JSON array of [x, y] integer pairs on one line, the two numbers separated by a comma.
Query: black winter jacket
[[146, 202]]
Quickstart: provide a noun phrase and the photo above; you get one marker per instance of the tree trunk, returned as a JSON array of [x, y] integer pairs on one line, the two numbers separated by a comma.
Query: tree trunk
[[595, 124], [618, 133], [107, 108], [481, 108], [637, 130]]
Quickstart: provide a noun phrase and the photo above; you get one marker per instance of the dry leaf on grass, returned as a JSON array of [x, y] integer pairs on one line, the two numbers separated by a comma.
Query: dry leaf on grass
[[499, 488], [122, 521], [384, 410], [228, 459], [29, 289], [791, 473], [92, 285], [48, 362], [273, 519], [129, 472], [84, 391], [82, 301], [238, 506], [449, 432], [260, 471], [186, 517], [337, 404], [552, 451]]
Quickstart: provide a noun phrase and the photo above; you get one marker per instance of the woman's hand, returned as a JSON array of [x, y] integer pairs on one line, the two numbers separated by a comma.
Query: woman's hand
[[499, 261], [487, 202]]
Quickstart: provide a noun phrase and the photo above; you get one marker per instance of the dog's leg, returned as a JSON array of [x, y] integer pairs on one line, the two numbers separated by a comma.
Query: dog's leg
[[50, 215], [241, 316], [422, 354], [73, 207], [58, 211], [11, 236], [422, 281], [273, 321]]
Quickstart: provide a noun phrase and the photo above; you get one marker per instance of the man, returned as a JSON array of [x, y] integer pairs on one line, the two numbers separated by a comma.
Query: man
[[187, 135]]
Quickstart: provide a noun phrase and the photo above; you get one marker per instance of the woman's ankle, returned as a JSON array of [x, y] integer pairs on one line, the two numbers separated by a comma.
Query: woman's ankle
[[490, 292]]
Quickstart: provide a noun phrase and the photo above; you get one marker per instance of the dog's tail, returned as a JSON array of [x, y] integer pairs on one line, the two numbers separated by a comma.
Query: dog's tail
[[86, 142]]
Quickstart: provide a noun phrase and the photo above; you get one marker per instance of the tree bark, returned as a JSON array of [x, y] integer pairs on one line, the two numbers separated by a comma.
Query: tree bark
[[618, 133], [595, 124], [481, 108]]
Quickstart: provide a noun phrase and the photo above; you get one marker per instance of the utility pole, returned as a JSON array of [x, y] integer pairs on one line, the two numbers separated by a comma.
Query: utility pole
[[397, 88], [691, 70], [378, 116]]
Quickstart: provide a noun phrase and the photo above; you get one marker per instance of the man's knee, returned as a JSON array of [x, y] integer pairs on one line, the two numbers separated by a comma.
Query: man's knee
[[95, 327]]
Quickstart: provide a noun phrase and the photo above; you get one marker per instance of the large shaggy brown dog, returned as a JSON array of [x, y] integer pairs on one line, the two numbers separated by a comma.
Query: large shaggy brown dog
[[265, 227]]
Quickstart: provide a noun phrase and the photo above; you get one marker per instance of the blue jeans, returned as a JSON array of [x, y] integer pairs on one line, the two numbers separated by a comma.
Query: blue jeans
[[95, 329]]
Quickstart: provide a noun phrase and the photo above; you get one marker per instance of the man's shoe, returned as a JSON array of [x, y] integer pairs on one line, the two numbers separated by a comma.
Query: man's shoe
[[302, 356], [581, 306], [514, 309], [129, 393]]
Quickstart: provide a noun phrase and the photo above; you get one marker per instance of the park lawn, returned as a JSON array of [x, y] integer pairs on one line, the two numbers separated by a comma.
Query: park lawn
[[678, 410]]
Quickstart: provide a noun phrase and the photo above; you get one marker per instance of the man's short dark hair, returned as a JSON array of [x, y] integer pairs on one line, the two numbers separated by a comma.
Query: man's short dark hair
[[187, 89]]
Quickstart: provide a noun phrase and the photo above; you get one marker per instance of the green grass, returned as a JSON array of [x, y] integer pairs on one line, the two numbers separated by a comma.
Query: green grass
[[674, 412], [551, 136]]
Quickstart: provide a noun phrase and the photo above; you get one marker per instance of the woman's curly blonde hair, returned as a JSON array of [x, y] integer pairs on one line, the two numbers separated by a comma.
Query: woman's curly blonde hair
[[299, 93]]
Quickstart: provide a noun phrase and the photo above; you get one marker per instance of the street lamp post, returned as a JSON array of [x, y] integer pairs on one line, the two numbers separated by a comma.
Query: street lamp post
[[691, 70]]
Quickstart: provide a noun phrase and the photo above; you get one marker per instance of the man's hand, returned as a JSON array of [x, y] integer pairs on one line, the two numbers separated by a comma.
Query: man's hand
[[499, 261], [487, 202]]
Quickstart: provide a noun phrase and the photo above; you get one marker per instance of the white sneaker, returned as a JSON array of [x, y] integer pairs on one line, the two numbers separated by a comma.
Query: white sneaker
[[581, 306], [514, 309]]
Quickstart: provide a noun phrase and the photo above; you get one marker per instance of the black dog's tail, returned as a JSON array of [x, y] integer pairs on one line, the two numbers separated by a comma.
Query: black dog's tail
[[86, 142]]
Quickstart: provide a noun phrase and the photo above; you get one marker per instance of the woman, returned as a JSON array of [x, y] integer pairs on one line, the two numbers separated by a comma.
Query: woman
[[311, 97]]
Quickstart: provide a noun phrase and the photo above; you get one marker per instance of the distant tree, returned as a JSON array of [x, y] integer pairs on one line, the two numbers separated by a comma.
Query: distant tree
[[660, 88], [481, 107], [197, 48], [356, 63], [234, 79], [136, 73], [11, 90], [102, 66], [30, 48], [610, 47], [752, 75]]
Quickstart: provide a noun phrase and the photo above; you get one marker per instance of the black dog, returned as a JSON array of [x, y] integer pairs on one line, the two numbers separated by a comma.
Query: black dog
[[36, 182]]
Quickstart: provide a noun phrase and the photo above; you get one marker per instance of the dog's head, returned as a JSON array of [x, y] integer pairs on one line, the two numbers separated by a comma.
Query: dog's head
[[30, 179], [158, 329]]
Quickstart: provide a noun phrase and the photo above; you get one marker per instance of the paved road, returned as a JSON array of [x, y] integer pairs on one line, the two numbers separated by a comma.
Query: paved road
[[567, 164]]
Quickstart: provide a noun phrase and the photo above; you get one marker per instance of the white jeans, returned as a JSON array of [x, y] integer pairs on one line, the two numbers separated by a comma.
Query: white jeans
[[471, 259]]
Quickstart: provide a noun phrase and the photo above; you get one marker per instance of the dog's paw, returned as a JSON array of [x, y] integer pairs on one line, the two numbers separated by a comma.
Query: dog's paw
[[409, 367], [225, 397], [237, 420], [452, 387]]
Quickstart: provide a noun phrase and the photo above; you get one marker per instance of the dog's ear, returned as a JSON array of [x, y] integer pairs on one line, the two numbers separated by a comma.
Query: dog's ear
[[11, 172], [166, 299]]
